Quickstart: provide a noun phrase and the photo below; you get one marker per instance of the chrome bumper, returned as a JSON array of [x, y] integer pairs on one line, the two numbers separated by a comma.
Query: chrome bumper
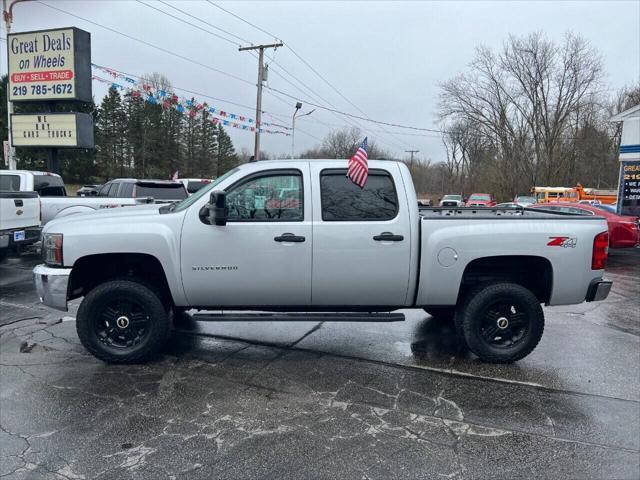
[[52, 284], [598, 290]]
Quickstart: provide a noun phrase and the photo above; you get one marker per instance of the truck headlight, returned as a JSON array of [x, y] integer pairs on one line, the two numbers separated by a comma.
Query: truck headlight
[[52, 249]]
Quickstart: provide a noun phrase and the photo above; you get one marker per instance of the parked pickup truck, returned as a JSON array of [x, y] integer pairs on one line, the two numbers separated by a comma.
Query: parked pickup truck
[[19, 220], [334, 248], [116, 193]]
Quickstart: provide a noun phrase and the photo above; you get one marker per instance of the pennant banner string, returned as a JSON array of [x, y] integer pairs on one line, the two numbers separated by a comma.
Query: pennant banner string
[[180, 103]]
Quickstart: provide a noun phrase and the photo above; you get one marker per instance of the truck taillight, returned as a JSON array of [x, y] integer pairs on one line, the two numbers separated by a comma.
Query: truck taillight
[[600, 251]]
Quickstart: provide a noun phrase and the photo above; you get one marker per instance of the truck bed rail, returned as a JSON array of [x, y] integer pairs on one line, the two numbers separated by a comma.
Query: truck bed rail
[[493, 212]]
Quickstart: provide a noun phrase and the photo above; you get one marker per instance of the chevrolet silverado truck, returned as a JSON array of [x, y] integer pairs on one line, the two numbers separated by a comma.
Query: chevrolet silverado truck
[[332, 251]]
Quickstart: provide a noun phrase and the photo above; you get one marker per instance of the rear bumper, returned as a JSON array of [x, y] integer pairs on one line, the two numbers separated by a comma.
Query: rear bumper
[[598, 290], [31, 235], [52, 285]]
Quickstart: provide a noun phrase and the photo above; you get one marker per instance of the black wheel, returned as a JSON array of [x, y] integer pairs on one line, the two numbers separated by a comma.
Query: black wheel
[[443, 313], [123, 321], [501, 322]]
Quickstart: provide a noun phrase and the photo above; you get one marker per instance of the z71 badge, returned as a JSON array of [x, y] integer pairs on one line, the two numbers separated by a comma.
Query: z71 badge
[[566, 242]]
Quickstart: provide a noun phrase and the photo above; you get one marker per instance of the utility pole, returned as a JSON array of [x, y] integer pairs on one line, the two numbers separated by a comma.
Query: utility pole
[[256, 151], [7, 14], [411, 161]]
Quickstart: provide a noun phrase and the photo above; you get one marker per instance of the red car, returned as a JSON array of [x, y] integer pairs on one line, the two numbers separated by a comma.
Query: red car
[[624, 231], [480, 200]]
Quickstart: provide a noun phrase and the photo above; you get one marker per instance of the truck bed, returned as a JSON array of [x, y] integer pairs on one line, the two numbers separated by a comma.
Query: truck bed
[[455, 237]]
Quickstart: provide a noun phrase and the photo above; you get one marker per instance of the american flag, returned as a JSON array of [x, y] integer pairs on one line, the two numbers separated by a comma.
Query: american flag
[[359, 165]]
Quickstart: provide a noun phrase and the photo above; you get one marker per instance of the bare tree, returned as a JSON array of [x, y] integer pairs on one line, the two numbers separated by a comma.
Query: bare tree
[[525, 101], [343, 143]]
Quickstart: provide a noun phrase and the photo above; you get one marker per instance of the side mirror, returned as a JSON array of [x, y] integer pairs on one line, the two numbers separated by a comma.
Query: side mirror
[[218, 208]]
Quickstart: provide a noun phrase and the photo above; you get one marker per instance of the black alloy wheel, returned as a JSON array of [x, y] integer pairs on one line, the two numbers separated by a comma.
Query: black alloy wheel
[[500, 322], [504, 324], [123, 321]]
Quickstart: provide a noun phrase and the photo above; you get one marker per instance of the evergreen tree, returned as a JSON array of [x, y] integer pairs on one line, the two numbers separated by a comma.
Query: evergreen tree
[[111, 128], [207, 160], [227, 158]]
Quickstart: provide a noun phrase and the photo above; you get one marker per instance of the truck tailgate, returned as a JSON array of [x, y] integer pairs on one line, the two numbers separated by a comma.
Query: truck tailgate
[[19, 210]]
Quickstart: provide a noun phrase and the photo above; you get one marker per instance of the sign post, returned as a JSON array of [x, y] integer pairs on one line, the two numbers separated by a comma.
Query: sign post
[[47, 67]]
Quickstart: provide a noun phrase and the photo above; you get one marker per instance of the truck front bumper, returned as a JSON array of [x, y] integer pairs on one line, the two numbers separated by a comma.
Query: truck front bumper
[[598, 290], [52, 285]]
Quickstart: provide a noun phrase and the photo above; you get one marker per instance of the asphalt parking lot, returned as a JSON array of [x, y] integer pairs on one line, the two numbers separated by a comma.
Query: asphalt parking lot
[[322, 400]]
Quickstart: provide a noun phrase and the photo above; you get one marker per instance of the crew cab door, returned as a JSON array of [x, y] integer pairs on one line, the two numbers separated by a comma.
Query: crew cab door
[[262, 256], [361, 238]]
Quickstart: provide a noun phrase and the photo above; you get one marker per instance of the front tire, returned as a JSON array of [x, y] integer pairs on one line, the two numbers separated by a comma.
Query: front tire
[[123, 321], [501, 322]]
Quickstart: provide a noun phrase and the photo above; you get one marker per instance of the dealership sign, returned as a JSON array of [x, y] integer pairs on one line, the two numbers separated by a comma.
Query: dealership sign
[[49, 65], [71, 130], [629, 189]]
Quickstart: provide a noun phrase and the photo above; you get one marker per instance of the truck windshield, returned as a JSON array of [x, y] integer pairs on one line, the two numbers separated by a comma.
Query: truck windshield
[[187, 202]]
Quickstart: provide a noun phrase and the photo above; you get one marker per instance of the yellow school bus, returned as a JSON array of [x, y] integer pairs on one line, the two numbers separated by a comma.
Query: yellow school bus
[[554, 194]]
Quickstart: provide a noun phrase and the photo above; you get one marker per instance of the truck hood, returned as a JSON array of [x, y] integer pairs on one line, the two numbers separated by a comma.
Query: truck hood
[[122, 213]]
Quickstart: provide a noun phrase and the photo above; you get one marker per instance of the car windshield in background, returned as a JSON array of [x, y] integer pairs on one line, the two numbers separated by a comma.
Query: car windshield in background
[[479, 197], [49, 186], [452, 197], [193, 186], [9, 183], [168, 191], [526, 199]]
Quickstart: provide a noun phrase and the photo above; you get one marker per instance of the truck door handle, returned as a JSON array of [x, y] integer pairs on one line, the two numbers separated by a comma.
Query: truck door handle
[[289, 237], [18, 203], [388, 237]]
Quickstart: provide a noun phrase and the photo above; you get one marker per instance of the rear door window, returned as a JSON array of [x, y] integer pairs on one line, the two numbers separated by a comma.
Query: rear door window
[[9, 183], [113, 190], [343, 200]]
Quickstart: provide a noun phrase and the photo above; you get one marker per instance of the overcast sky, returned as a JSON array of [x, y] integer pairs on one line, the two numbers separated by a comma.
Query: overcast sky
[[387, 58]]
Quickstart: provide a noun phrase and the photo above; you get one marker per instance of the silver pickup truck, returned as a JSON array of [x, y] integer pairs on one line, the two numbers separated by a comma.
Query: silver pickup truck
[[298, 236]]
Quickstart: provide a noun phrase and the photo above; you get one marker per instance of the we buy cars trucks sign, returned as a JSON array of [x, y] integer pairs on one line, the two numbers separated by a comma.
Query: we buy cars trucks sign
[[49, 65]]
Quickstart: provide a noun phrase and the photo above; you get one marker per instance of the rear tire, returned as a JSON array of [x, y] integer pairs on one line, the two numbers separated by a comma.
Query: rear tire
[[123, 321], [501, 322]]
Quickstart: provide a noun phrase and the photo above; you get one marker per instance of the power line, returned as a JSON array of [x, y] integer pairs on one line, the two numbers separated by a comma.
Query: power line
[[310, 67], [244, 40], [243, 20], [188, 23], [144, 42], [164, 50]]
